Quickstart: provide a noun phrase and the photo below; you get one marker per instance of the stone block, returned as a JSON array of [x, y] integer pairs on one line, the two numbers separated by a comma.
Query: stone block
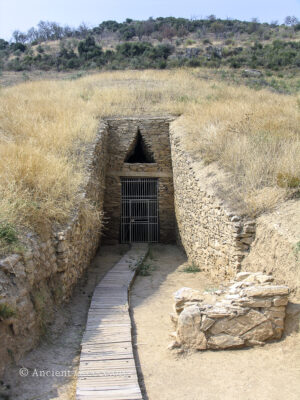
[[260, 332], [224, 342], [266, 291]]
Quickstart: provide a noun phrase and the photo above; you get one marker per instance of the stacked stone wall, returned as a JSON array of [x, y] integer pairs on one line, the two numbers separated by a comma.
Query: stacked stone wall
[[32, 284], [214, 237]]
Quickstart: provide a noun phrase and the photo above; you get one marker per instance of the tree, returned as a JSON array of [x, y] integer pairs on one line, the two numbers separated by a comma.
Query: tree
[[145, 28], [218, 28], [44, 30], [212, 17], [127, 32], [83, 30], [274, 23], [57, 31], [3, 44], [32, 35], [291, 20], [167, 31], [19, 37]]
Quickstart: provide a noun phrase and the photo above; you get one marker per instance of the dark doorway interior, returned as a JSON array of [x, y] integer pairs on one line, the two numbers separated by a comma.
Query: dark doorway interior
[[139, 216], [140, 152]]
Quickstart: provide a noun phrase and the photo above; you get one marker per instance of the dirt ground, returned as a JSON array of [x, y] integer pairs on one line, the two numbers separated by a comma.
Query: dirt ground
[[271, 372]]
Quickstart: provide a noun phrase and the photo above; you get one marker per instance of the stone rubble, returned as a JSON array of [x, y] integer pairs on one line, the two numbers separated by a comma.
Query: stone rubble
[[250, 311]]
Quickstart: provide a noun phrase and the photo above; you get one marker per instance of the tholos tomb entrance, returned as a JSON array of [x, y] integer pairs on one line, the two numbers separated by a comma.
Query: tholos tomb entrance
[[139, 196]]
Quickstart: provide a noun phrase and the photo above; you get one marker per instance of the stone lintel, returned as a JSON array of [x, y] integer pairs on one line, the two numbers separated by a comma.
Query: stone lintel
[[150, 174]]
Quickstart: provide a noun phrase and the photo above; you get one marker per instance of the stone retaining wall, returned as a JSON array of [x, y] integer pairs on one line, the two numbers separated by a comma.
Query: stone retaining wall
[[213, 236], [31, 285]]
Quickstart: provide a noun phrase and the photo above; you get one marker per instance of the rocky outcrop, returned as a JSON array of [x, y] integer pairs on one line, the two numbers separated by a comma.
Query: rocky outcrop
[[250, 311]]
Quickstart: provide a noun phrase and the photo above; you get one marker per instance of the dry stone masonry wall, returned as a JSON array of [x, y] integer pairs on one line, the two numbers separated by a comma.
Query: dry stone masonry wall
[[249, 312], [213, 236], [32, 284]]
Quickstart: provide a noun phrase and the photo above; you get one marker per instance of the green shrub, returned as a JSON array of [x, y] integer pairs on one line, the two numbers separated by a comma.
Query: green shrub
[[3, 44], [191, 269], [88, 49], [6, 311], [189, 42], [145, 269], [19, 46], [286, 180], [8, 233], [127, 32], [40, 49]]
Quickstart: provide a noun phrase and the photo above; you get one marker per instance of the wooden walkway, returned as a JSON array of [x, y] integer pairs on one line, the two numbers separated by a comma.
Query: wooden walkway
[[107, 368]]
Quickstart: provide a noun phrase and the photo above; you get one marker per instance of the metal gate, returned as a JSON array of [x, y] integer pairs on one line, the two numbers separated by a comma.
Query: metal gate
[[139, 216]]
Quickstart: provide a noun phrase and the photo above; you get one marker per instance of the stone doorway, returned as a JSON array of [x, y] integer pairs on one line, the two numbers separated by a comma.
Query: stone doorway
[[139, 214], [139, 148]]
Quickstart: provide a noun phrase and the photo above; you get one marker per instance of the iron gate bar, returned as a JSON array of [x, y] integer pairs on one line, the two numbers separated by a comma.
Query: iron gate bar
[[139, 215]]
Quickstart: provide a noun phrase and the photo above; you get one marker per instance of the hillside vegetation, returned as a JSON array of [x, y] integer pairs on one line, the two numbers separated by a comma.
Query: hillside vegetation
[[155, 43], [47, 126]]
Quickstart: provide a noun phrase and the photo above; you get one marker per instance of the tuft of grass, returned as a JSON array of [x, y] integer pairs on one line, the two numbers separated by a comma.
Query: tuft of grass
[[6, 311], [286, 180], [8, 233], [191, 269], [9, 242], [145, 269]]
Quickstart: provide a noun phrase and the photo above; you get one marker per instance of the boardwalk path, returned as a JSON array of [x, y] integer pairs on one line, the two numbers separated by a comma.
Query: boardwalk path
[[107, 368]]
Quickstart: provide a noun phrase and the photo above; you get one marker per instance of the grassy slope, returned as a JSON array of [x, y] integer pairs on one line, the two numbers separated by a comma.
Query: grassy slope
[[45, 127]]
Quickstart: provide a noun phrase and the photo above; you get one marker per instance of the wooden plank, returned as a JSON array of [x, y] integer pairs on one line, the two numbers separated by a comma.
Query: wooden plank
[[107, 368], [113, 395], [107, 364]]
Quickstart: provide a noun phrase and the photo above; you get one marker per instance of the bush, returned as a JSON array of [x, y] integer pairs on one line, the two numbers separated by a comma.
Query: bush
[[133, 49], [127, 32], [145, 269], [8, 233], [3, 44], [19, 46], [286, 180], [88, 49], [6, 311], [40, 49]]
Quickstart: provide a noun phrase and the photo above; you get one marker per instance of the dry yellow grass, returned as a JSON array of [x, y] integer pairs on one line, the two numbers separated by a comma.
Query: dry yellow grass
[[45, 127]]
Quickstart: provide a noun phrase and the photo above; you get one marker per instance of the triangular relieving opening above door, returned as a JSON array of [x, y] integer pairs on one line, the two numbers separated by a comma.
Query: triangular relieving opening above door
[[139, 152]]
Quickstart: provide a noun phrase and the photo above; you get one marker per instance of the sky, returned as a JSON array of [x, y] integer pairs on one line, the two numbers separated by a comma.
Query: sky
[[23, 14]]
